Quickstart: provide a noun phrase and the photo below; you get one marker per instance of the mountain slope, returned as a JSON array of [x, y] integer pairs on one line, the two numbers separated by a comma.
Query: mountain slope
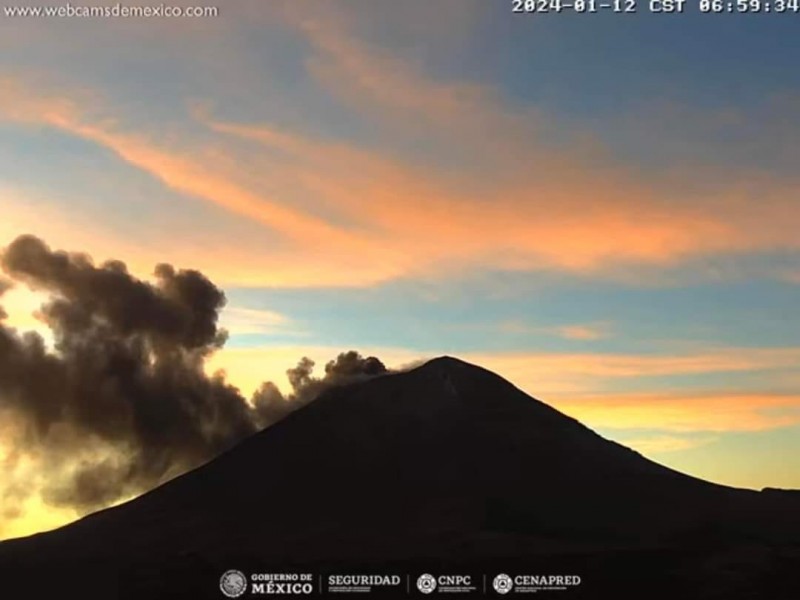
[[444, 464]]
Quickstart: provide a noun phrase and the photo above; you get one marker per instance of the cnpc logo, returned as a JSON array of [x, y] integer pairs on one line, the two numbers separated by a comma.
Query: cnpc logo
[[427, 583]]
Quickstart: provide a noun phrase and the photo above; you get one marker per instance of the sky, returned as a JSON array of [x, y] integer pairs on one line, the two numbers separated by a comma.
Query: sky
[[601, 208]]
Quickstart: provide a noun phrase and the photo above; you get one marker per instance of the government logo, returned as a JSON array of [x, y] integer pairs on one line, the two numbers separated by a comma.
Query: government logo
[[233, 583], [426, 583]]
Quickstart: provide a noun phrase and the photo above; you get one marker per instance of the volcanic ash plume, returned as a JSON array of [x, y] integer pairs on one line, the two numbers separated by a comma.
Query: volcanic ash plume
[[123, 403]]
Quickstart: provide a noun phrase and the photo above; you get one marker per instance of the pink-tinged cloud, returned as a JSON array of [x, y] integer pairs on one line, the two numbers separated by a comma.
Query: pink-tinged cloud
[[588, 332], [345, 214], [427, 218], [544, 373]]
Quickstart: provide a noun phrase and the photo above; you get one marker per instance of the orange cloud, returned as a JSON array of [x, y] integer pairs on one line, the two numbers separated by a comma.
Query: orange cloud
[[419, 218], [584, 332], [143, 247], [607, 213], [683, 412], [547, 374], [344, 214], [576, 331], [202, 175], [388, 83]]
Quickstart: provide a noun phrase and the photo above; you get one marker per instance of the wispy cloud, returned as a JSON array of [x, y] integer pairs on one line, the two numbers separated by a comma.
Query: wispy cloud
[[546, 372], [332, 204], [574, 331], [684, 412], [247, 321], [587, 332]]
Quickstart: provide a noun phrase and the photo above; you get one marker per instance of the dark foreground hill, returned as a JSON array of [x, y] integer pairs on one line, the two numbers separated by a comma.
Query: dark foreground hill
[[447, 468]]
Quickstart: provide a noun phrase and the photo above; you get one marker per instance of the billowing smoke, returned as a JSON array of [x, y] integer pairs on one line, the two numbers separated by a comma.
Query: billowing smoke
[[272, 405], [123, 403]]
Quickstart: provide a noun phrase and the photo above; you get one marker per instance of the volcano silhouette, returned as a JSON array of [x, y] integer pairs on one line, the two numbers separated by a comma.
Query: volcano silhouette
[[443, 467]]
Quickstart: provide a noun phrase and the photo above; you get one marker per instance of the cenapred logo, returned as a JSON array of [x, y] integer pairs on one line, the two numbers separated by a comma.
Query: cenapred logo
[[502, 584], [233, 583], [426, 583]]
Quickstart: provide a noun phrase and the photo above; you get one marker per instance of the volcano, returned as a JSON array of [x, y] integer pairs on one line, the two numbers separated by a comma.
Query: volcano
[[443, 468]]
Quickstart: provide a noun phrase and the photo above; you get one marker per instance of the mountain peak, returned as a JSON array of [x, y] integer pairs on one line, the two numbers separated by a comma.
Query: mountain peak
[[453, 373], [445, 461], [447, 362]]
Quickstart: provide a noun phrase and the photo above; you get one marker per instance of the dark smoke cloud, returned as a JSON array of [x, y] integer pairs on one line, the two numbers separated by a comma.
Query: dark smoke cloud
[[348, 367], [124, 397]]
